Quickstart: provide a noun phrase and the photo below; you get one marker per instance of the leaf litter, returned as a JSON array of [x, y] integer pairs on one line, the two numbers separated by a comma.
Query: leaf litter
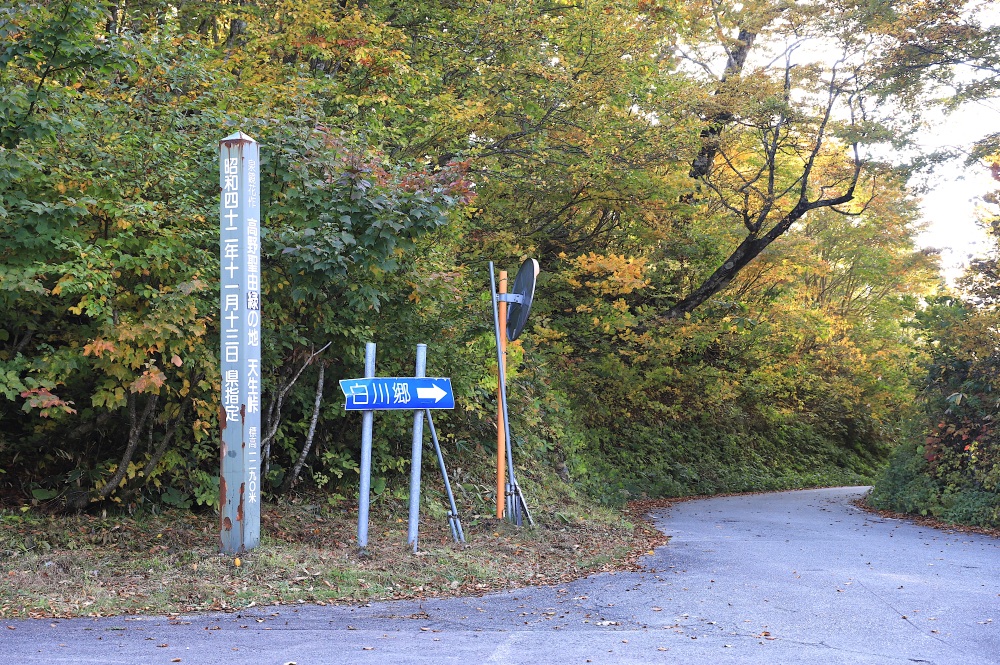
[[169, 563]]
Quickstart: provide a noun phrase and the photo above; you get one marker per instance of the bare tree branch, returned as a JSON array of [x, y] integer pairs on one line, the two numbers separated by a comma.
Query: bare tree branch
[[293, 477], [137, 424], [274, 410]]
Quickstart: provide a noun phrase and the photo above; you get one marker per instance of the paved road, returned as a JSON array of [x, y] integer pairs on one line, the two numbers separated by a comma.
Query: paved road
[[794, 577]]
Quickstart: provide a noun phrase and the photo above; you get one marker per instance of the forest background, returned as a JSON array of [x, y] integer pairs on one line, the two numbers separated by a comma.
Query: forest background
[[731, 298]]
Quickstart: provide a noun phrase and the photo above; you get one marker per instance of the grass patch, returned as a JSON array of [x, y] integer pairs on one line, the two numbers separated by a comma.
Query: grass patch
[[168, 563]]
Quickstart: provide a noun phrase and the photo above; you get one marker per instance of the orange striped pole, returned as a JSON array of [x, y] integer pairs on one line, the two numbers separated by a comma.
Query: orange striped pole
[[501, 434]]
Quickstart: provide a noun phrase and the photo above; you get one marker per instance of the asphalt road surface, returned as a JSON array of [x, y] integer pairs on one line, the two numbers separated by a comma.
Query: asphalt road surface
[[792, 577]]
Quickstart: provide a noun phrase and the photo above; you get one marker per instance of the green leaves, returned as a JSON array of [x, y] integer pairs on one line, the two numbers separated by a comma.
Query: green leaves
[[48, 48], [349, 216], [572, 129]]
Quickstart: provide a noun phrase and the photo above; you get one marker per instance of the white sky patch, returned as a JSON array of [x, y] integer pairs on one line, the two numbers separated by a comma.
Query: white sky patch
[[956, 190], [953, 203]]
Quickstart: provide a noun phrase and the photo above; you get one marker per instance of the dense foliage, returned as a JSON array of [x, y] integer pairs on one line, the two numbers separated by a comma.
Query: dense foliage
[[949, 465], [729, 276]]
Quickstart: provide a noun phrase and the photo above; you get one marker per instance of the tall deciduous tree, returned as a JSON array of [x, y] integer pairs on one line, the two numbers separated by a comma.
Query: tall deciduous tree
[[108, 233], [803, 96], [649, 153], [568, 114]]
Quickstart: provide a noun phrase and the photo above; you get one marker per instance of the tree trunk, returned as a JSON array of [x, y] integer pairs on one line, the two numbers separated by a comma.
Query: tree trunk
[[755, 221], [307, 446], [274, 412], [136, 426], [752, 246], [161, 447], [702, 164]]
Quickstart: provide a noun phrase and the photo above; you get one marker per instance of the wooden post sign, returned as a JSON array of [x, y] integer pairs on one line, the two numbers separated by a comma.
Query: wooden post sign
[[239, 304]]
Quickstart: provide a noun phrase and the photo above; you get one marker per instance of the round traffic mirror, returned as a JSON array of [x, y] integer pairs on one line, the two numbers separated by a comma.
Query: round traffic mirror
[[524, 286]]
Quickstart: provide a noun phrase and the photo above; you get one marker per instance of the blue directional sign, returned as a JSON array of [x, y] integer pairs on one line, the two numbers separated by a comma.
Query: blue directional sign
[[386, 393]]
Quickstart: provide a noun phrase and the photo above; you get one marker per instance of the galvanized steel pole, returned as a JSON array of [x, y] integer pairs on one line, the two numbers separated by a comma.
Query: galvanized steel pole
[[367, 420], [502, 377], [453, 520], [416, 455]]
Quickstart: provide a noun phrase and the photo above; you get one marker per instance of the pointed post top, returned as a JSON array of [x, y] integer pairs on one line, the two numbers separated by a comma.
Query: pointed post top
[[238, 137]]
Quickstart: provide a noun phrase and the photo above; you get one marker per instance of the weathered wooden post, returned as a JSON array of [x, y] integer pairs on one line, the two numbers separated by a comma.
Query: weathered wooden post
[[239, 296]]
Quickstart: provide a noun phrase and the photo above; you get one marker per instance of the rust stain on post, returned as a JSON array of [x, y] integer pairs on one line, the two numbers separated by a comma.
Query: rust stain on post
[[235, 142], [239, 508], [227, 524], [222, 419], [222, 490]]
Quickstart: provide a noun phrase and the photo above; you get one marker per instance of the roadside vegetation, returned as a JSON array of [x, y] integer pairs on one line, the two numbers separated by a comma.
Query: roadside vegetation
[[168, 561], [948, 465]]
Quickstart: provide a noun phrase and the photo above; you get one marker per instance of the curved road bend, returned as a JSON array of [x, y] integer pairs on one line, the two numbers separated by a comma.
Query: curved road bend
[[792, 577]]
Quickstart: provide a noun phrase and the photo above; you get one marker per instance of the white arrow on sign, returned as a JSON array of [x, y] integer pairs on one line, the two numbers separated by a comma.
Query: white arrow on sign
[[434, 392]]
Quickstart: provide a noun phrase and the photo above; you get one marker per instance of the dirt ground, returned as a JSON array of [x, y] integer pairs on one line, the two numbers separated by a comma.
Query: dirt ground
[[167, 563]]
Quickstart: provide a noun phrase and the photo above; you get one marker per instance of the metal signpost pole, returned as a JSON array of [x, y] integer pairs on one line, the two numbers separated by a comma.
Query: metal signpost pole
[[519, 299], [418, 440], [453, 520], [239, 415], [367, 421], [417, 394], [502, 376]]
